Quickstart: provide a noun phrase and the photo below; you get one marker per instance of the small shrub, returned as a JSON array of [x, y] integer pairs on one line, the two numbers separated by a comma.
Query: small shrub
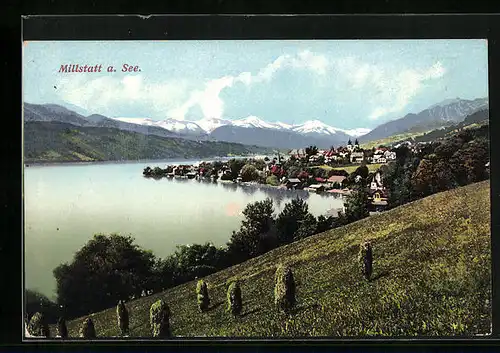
[[366, 259], [202, 295], [234, 301], [87, 330], [159, 318], [62, 330], [122, 315], [38, 326], [272, 180], [284, 289]]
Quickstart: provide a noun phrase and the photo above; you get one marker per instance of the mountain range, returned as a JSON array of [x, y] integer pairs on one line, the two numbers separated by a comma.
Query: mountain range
[[446, 113], [254, 131]]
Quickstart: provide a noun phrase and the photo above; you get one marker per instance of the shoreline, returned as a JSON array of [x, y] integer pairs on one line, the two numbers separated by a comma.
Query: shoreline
[[129, 161]]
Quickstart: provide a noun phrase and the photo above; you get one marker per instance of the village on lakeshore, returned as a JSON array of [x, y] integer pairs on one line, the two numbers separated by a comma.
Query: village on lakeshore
[[333, 171]]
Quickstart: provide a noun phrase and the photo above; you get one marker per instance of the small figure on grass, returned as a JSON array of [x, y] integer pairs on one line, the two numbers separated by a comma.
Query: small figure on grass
[[366, 259]]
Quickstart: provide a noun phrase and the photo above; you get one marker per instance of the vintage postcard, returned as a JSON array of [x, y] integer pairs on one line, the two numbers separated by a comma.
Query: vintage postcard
[[256, 189]]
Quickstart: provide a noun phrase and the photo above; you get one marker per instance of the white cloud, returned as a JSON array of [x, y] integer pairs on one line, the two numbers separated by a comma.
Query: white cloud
[[103, 94], [212, 105], [385, 89]]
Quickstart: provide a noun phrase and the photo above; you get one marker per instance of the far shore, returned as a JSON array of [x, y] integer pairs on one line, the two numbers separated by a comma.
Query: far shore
[[132, 161]]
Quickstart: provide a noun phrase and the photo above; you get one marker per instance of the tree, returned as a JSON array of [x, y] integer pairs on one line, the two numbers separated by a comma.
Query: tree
[[293, 171], [257, 233], [362, 171], [108, 268], [272, 180], [324, 223], [307, 227], [37, 302], [339, 172], [249, 173], [357, 204], [290, 220], [190, 261], [311, 151], [397, 178], [475, 156], [431, 176], [235, 165]]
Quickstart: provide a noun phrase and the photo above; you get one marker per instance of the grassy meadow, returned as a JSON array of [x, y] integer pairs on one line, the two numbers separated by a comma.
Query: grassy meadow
[[431, 277], [352, 168]]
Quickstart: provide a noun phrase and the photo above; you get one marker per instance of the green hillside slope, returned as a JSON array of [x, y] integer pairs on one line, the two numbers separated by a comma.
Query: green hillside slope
[[61, 142], [431, 277]]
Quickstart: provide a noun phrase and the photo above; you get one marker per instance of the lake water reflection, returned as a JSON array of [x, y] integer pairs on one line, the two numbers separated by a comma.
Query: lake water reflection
[[65, 205]]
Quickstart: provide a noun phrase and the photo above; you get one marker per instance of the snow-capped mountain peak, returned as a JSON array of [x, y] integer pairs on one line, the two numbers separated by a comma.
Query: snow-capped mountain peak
[[178, 126], [357, 132], [252, 121], [281, 125], [138, 121], [210, 124], [207, 125], [315, 126]]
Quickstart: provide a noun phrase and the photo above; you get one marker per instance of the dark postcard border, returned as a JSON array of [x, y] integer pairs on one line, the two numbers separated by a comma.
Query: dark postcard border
[[232, 27], [245, 27]]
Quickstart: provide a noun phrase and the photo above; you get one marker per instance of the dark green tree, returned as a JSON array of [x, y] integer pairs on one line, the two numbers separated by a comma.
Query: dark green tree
[[357, 204], [235, 165], [324, 223], [362, 171], [294, 214], [257, 233], [35, 301], [249, 173], [105, 270]]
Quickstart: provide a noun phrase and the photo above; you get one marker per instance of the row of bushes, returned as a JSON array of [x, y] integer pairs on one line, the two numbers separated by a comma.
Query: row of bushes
[[284, 298]]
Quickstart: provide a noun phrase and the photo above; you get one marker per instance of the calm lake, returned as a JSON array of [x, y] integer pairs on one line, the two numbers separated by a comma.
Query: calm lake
[[66, 204]]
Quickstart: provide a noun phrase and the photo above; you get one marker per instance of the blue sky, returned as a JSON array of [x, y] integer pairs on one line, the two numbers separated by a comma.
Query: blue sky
[[347, 84]]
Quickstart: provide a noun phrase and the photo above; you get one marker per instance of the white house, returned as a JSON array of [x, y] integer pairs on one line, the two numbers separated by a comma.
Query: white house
[[390, 155], [357, 157]]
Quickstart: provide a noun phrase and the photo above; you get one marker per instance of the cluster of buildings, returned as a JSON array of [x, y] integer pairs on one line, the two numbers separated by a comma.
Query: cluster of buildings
[[351, 153]]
